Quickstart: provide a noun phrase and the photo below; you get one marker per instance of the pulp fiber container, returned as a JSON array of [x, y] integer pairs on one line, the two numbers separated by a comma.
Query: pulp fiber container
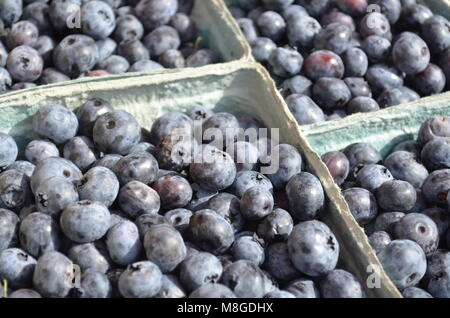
[[238, 87]]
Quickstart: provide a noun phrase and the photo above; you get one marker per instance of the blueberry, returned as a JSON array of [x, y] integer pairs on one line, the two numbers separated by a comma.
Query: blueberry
[[154, 13], [53, 275], [108, 161], [375, 23], [313, 248], [277, 4], [420, 229], [410, 53], [55, 122], [396, 195], [362, 104], [355, 61], [165, 247], [392, 9], [199, 112], [44, 46], [296, 85], [211, 231], [353, 7], [51, 75], [303, 288], [9, 222], [213, 169], [184, 25], [271, 24], [177, 150], [166, 124], [174, 191], [136, 198], [245, 155], [437, 263], [415, 15], [24, 293], [285, 62], [10, 11], [276, 226], [323, 63], [146, 221], [430, 81], [379, 240], [315, 8], [305, 195], [331, 93], [61, 11], [245, 279], [172, 59], [38, 13], [8, 151], [114, 64], [334, 15], [24, 64], [22, 33], [162, 39], [434, 127], [301, 32], [377, 48], [212, 290], [228, 206], [171, 288], [135, 51], [200, 269], [89, 256], [137, 166], [94, 284], [362, 204], [75, 54], [144, 147], [404, 262], [304, 109], [436, 33], [54, 194], [14, 189], [97, 19], [338, 165], [202, 57], [340, 284], [128, 27], [386, 221], [436, 186], [80, 150], [200, 197], [381, 77], [415, 292], [85, 221], [248, 28], [361, 154], [336, 37], [123, 243], [17, 267], [22, 166], [287, 161], [403, 166], [116, 132], [262, 48], [88, 113], [440, 217], [372, 176], [140, 280], [435, 154], [278, 263], [5, 80], [411, 146], [248, 248], [179, 218], [256, 203]]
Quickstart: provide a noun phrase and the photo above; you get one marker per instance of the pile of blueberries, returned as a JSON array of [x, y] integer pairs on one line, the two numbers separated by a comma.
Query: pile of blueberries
[[403, 202], [333, 58], [45, 42], [99, 207]]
